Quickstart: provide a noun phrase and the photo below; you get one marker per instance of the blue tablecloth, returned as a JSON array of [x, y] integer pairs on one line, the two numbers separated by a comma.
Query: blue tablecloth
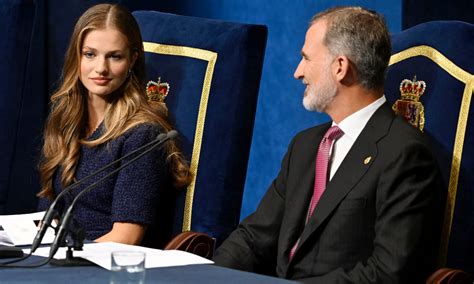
[[95, 274]]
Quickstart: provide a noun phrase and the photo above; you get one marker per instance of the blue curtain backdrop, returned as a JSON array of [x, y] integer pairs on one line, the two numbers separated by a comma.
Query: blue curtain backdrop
[[280, 113]]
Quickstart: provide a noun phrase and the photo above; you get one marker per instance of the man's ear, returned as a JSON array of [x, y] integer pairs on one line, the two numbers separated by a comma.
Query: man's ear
[[341, 66]]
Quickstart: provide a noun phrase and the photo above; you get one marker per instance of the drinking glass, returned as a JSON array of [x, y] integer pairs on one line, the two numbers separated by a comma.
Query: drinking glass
[[128, 267]]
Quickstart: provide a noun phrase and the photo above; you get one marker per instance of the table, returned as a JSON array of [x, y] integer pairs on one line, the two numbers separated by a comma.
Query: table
[[95, 274]]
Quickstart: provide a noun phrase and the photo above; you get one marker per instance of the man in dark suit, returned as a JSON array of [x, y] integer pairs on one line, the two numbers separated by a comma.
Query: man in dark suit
[[362, 212]]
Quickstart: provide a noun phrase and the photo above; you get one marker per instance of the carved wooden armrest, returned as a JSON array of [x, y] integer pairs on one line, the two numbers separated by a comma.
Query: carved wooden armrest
[[197, 243], [450, 276]]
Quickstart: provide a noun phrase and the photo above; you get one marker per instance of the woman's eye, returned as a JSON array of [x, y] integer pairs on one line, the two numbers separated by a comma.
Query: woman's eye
[[88, 54], [116, 56]]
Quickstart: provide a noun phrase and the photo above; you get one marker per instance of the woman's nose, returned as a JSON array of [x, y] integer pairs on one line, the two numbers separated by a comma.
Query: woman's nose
[[101, 66]]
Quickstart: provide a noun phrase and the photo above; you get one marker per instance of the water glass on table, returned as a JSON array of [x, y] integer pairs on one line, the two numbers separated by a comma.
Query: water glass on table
[[128, 267]]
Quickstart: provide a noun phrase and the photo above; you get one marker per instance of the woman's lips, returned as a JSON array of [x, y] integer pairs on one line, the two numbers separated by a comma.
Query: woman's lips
[[101, 81]]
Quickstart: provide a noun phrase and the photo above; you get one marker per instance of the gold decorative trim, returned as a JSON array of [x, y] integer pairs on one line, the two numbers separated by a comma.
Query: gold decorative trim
[[437, 57], [211, 58], [468, 79]]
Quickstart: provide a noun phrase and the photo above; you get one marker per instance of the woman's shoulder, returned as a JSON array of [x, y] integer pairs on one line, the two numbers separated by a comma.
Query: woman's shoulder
[[143, 131], [146, 127]]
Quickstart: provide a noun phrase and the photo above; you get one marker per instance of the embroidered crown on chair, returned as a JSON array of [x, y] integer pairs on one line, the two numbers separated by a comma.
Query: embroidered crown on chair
[[409, 106], [157, 91], [412, 90]]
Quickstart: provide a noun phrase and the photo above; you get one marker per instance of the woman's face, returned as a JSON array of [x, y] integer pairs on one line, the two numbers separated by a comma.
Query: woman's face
[[105, 61]]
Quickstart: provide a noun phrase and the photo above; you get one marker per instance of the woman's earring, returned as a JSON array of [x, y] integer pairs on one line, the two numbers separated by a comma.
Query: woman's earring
[[129, 72]]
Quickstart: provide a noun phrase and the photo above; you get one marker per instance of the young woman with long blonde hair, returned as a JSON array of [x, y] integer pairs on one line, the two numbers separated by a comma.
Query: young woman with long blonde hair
[[98, 114]]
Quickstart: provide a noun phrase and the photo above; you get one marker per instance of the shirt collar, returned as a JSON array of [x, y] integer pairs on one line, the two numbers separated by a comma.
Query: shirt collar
[[353, 124]]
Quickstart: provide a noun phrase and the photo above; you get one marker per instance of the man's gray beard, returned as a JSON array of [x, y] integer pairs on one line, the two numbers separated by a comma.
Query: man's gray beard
[[318, 100]]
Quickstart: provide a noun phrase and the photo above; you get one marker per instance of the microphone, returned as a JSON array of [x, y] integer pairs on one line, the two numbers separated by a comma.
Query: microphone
[[63, 228], [50, 212]]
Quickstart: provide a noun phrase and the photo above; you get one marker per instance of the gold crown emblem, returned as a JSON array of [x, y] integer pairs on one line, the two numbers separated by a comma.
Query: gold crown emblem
[[412, 90], [409, 106], [157, 91]]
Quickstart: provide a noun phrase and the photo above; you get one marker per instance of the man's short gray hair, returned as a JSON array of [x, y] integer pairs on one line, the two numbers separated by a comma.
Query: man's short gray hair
[[363, 37]]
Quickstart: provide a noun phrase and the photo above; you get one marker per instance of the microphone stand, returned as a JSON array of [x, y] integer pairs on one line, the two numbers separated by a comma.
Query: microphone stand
[[70, 234], [74, 241]]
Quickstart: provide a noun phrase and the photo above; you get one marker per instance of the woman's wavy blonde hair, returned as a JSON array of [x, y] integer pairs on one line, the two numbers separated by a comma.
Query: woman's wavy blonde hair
[[128, 106]]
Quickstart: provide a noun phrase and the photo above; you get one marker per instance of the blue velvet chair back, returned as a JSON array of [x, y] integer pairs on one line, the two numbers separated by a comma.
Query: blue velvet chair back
[[213, 69], [16, 25], [441, 53]]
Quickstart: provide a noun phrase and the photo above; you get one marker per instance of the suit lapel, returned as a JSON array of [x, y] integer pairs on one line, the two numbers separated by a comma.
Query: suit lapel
[[351, 170], [300, 197]]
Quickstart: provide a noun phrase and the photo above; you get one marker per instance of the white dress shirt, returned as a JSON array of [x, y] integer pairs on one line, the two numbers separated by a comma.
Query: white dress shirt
[[351, 126]]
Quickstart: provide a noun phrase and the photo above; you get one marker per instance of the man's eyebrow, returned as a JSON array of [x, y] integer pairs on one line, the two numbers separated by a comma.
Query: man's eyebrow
[[304, 54]]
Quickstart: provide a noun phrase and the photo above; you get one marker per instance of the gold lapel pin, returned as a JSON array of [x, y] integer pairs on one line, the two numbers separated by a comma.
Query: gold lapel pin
[[367, 160]]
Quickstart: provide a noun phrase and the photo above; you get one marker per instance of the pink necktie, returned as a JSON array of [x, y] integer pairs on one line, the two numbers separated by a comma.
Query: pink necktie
[[321, 174]]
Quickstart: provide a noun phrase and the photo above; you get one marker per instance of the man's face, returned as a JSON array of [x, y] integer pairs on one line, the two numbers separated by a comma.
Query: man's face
[[315, 70]]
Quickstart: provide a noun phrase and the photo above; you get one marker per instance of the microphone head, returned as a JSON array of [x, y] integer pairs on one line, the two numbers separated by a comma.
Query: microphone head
[[161, 136], [172, 134]]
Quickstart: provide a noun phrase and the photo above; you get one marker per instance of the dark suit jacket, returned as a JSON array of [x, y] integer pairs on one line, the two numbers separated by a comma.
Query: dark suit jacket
[[373, 223]]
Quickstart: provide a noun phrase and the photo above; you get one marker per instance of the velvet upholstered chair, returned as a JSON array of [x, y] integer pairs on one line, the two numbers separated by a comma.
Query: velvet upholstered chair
[[21, 108], [441, 54], [210, 71]]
